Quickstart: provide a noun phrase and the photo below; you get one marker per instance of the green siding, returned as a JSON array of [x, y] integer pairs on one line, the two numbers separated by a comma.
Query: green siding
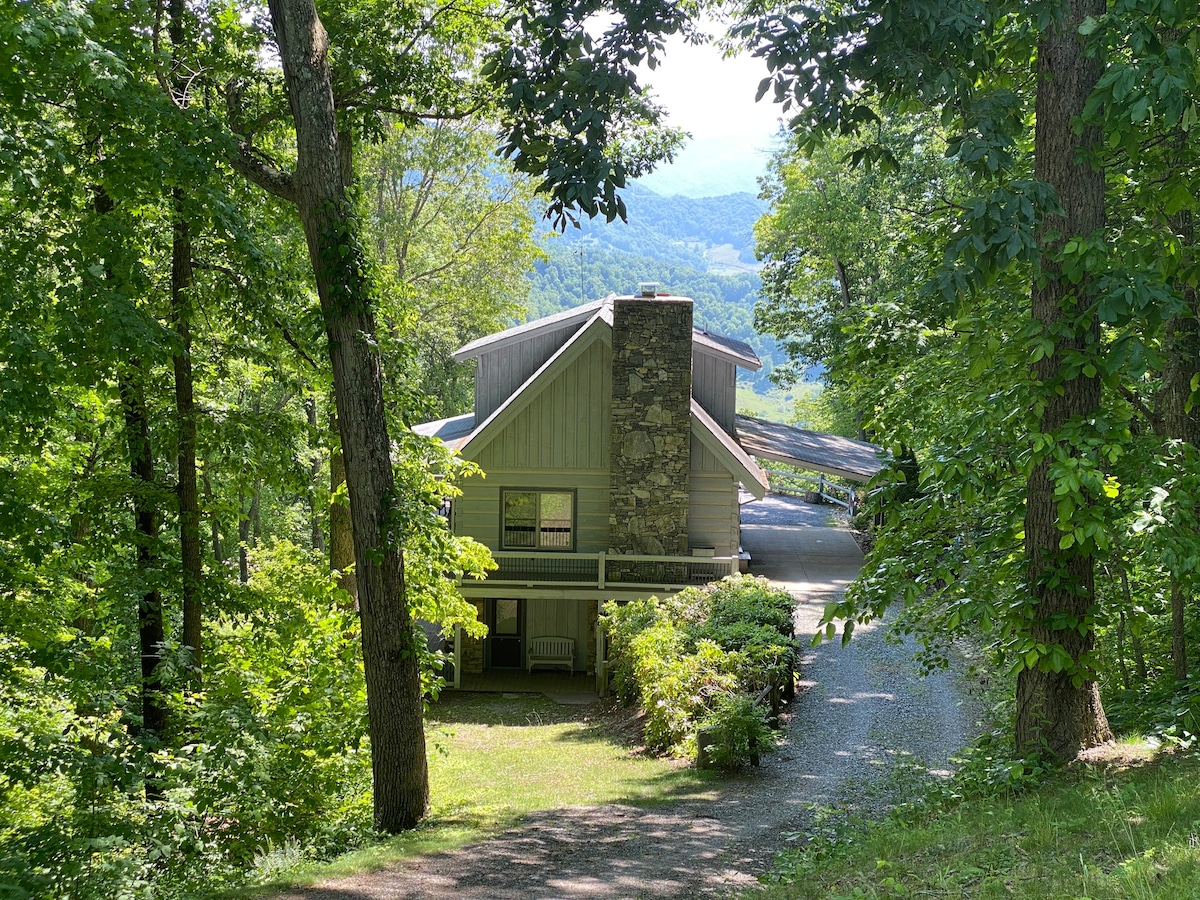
[[713, 513], [477, 511]]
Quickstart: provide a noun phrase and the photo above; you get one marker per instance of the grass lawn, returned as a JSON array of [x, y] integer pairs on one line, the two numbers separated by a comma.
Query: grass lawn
[[1099, 833], [494, 758]]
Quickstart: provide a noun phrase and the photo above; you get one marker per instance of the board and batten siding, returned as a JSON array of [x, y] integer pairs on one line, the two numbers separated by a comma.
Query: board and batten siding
[[500, 372], [560, 618], [565, 426], [713, 514], [714, 385]]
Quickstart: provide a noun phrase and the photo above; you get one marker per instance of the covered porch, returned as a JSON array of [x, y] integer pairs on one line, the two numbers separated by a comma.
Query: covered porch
[[539, 681]]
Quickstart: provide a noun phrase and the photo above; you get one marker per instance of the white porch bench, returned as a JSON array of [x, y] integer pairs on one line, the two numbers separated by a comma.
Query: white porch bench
[[551, 651]]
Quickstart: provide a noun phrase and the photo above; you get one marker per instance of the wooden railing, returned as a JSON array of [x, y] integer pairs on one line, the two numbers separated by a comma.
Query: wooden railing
[[799, 485], [604, 570]]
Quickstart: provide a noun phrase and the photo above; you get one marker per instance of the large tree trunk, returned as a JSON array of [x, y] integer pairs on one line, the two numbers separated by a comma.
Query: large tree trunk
[[185, 403], [1176, 421], [395, 704], [1056, 715], [141, 467]]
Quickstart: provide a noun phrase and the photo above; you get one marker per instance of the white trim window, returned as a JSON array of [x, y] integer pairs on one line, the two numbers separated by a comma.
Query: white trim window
[[537, 520]]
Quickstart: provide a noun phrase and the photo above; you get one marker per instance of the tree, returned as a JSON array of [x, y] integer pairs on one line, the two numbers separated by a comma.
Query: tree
[[583, 171], [452, 232], [830, 65], [839, 247]]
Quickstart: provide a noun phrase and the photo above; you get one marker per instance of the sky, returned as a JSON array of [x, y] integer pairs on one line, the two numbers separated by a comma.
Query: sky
[[713, 98]]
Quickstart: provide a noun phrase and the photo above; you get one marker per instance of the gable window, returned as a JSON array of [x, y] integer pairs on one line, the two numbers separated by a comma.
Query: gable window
[[538, 520]]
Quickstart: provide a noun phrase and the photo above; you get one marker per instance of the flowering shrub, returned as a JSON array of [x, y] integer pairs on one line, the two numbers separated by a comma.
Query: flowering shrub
[[686, 659]]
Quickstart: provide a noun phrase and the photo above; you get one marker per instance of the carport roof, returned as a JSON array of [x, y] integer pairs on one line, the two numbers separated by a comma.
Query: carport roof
[[828, 453]]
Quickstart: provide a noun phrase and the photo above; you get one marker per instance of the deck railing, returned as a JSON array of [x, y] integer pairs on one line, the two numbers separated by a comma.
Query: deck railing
[[606, 570]]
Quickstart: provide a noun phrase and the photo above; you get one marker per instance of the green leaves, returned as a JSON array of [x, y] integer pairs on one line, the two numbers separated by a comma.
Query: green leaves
[[574, 113]]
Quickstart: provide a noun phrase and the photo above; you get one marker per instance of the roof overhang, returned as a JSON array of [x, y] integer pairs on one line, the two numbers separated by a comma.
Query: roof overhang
[[730, 349], [726, 449], [814, 450]]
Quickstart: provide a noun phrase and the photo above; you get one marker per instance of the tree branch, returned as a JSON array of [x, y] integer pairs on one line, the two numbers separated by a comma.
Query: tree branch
[[1137, 403], [250, 163]]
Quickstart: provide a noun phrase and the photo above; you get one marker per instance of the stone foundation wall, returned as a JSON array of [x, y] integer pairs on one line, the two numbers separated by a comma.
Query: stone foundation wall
[[650, 457], [472, 648]]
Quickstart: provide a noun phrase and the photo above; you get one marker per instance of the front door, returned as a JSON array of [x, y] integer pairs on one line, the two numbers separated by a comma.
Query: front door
[[504, 634]]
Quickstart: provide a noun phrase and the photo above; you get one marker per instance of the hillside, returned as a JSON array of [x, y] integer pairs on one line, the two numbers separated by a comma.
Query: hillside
[[700, 247]]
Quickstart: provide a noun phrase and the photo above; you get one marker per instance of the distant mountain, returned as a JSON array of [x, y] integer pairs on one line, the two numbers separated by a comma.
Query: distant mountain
[[699, 247], [713, 167]]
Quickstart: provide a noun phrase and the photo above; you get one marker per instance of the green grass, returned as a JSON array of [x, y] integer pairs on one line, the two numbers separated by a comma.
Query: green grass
[[495, 758], [776, 405], [1094, 833]]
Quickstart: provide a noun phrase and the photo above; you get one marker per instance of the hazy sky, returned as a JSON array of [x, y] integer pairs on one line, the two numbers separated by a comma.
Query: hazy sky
[[711, 96]]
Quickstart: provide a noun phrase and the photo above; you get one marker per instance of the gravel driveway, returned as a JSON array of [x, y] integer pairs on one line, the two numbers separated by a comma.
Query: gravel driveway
[[863, 711]]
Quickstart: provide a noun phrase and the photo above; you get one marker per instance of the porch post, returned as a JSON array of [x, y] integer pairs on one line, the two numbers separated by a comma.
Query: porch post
[[457, 656]]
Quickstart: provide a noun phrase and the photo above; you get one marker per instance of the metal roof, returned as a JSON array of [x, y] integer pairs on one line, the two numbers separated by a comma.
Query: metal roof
[[828, 453], [740, 352], [528, 329], [451, 431]]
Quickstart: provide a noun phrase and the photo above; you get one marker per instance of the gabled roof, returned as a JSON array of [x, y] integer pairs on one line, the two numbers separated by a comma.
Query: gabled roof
[[828, 453], [528, 329], [726, 449], [738, 352], [598, 328]]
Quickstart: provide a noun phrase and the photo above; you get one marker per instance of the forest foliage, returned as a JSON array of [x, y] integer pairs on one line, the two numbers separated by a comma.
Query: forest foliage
[[1017, 322], [181, 625]]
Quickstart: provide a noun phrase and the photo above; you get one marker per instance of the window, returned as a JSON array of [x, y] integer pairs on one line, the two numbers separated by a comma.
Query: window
[[538, 520]]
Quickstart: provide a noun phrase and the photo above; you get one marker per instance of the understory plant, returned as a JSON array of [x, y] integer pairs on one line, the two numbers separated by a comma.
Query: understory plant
[[698, 659]]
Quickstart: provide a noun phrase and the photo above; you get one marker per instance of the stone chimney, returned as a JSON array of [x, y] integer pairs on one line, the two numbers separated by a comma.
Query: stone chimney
[[651, 425]]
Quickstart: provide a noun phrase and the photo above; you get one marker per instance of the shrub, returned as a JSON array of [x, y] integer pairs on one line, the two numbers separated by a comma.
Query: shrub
[[687, 656], [738, 728]]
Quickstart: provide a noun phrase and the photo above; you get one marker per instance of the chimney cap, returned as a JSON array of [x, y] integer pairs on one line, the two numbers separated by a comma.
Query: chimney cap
[[648, 288]]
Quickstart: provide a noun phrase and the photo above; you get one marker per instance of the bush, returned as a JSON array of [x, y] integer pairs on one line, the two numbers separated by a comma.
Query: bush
[[738, 729], [683, 658]]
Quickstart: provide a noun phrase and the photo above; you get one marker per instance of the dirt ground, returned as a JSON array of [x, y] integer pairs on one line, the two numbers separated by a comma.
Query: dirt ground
[[863, 724]]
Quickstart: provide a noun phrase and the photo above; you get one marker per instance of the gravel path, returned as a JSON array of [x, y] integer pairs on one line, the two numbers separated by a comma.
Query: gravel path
[[863, 712]]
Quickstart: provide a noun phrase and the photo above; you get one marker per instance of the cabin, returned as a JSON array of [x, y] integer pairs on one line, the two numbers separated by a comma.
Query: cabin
[[608, 439]]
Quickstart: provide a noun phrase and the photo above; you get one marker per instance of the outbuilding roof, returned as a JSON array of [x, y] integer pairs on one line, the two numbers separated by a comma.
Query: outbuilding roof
[[828, 453]]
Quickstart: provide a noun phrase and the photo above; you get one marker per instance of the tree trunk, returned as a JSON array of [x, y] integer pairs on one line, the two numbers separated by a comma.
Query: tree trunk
[[150, 614], [395, 705], [1055, 715], [341, 531], [243, 539], [1176, 421], [185, 410], [318, 534], [214, 523], [141, 468], [185, 402]]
